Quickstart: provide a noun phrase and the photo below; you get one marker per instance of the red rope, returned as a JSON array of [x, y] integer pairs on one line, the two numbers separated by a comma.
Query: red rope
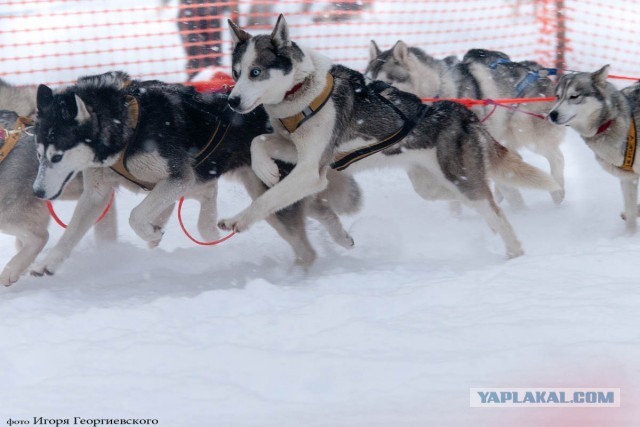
[[198, 242], [58, 221]]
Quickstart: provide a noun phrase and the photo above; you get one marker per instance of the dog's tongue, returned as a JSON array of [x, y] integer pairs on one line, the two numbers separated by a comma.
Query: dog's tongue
[[293, 90]]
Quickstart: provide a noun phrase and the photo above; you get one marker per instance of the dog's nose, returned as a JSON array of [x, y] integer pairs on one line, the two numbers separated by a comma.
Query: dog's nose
[[39, 193], [553, 116], [234, 102]]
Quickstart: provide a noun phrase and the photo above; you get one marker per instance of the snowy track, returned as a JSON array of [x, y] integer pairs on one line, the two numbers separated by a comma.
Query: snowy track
[[391, 333]]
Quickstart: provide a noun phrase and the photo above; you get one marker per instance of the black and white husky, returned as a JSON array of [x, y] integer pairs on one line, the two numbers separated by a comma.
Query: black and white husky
[[326, 116], [164, 138], [481, 74], [607, 119]]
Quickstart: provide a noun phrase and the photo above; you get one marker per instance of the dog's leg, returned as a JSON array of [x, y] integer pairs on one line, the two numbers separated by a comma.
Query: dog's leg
[[208, 217], [427, 186], [107, 229], [307, 177], [161, 221], [264, 149], [285, 223], [498, 222], [317, 207], [143, 218], [32, 240], [554, 156], [511, 195], [630, 195], [98, 187]]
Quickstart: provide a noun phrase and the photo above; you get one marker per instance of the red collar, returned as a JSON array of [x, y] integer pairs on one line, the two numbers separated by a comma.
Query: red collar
[[604, 126], [293, 90]]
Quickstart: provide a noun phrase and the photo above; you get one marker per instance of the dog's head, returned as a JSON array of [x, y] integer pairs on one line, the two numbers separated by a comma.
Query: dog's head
[[63, 133], [581, 101], [407, 68], [263, 67]]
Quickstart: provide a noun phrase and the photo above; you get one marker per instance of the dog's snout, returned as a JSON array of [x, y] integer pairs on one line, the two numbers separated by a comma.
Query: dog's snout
[[39, 193], [234, 102], [553, 116]]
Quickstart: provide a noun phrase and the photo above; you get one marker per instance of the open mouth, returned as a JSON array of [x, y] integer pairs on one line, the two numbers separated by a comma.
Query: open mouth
[[64, 183]]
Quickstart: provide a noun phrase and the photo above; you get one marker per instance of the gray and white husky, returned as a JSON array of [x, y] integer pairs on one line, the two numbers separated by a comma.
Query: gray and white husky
[[19, 99], [326, 116], [481, 74], [607, 119], [165, 138]]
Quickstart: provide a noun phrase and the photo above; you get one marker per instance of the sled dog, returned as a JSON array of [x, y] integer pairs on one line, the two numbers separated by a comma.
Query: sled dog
[[481, 74], [607, 119], [22, 214], [164, 138], [326, 117]]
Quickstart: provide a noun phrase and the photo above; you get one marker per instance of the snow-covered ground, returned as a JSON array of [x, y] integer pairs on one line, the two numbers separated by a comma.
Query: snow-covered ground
[[391, 333]]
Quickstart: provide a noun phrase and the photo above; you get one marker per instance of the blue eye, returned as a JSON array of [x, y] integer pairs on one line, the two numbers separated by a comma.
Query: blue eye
[[56, 158], [255, 72]]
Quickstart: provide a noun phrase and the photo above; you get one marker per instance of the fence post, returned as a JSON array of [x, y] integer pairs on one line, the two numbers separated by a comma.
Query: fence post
[[561, 37]]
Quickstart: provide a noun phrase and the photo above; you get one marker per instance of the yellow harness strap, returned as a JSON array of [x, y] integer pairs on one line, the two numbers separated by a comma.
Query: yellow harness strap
[[630, 152], [119, 167], [292, 123], [11, 137]]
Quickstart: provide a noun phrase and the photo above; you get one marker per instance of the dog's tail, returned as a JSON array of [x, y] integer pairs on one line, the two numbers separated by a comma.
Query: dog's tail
[[508, 168], [343, 193]]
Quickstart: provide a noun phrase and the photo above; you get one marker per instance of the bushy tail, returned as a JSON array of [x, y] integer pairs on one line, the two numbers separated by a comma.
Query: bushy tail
[[508, 168]]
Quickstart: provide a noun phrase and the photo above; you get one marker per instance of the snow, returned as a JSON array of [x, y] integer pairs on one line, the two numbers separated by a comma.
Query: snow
[[391, 333]]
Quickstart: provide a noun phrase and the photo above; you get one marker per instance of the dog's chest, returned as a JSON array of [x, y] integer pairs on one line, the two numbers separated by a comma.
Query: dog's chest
[[148, 166]]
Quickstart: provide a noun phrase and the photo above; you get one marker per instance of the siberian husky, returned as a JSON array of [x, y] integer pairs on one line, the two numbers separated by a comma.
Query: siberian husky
[[325, 116], [607, 119], [482, 74], [21, 214], [165, 138]]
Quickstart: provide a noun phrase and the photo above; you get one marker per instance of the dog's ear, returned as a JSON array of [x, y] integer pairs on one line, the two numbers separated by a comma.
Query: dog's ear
[[599, 78], [238, 35], [374, 50], [401, 51], [82, 114], [280, 34], [44, 98]]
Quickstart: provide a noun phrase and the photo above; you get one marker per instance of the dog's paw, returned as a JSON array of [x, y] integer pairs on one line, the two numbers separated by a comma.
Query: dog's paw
[[147, 231], [346, 241], [515, 252], [46, 268], [267, 170], [557, 196], [237, 224], [9, 277], [209, 233]]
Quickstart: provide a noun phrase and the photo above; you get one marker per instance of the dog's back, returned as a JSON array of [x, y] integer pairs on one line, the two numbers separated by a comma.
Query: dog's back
[[21, 100]]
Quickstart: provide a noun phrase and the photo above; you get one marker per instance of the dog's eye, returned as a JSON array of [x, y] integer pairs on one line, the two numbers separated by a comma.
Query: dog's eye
[[576, 96], [255, 72], [56, 158], [235, 75]]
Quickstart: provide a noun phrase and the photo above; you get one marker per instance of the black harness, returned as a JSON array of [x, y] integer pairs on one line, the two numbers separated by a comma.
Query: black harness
[[408, 124]]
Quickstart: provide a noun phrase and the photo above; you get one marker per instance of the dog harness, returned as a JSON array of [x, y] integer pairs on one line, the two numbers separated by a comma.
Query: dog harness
[[529, 79], [347, 159], [219, 134], [630, 151], [120, 167], [631, 146], [11, 137], [292, 123]]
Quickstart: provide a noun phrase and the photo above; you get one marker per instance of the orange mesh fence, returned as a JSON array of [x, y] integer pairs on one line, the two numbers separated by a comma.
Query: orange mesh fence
[[56, 41]]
